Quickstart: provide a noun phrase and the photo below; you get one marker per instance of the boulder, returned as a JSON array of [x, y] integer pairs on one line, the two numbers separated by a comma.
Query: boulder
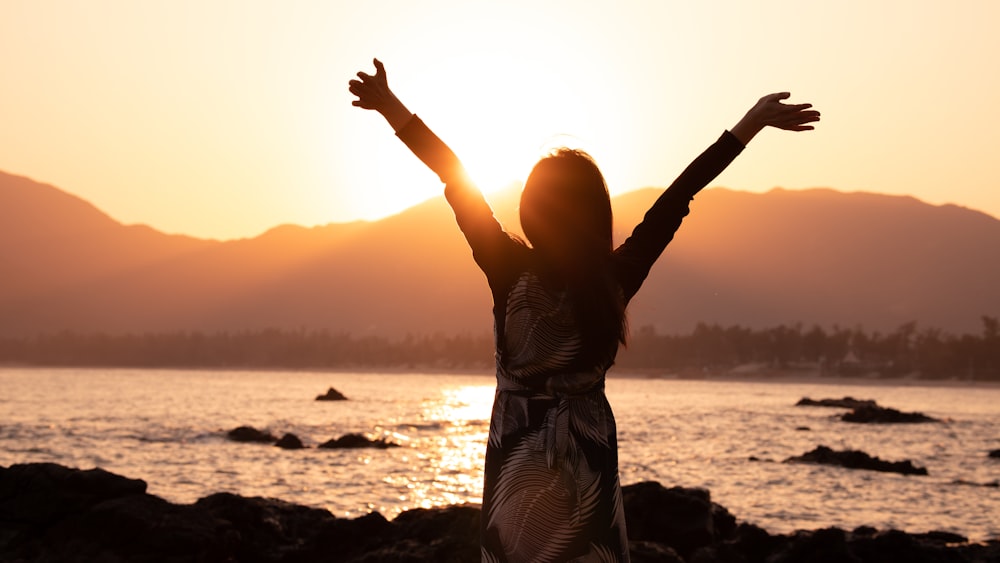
[[682, 519], [994, 453], [846, 403], [883, 415], [290, 442], [828, 545], [331, 395], [854, 459], [40, 492], [53, 513], [250, 434], [652, 552], [357, 441]]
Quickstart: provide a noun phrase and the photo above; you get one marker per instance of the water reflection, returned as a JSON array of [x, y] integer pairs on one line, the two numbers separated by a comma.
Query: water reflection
[[450, 445], [168, 428]]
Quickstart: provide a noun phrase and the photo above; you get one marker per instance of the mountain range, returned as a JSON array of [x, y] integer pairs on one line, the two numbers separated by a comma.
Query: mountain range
[[815, 256]]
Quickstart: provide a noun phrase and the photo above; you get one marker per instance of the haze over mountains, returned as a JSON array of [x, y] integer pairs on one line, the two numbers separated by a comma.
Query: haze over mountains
[[757, 260]]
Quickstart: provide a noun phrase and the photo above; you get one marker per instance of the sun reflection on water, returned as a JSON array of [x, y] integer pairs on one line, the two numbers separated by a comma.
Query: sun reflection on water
[[447, 447]]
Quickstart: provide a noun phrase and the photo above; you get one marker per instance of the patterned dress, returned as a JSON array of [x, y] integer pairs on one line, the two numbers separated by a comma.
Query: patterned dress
[[551, 488]]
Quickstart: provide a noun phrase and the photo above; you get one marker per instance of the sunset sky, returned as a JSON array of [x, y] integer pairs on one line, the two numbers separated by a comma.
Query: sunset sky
[[225, 118]]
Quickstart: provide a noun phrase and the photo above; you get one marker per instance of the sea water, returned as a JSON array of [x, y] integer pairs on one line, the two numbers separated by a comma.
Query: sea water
[[168, 427]]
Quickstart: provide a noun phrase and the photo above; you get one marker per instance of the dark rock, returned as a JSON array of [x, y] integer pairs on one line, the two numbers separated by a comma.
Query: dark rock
[[994, 453], [53, 513], [250, 434], [344, 540], [357, 441], [40, 492], [652, 552], [863, 532], [994, 483], [450, 533], [892, 546], [755, 543], [290, 442], [680, 518], [331, 395], [262, 528], [854, 459], [846, 403], [941, 537], [802, 429], [882, 415], [828, 545], [717, 553]]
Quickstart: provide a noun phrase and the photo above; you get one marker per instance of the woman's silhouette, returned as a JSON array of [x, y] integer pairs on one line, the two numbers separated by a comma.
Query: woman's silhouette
[[551, 489]]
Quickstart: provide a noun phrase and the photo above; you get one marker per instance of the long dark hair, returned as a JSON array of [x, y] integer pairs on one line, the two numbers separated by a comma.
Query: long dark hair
[[565, 214]]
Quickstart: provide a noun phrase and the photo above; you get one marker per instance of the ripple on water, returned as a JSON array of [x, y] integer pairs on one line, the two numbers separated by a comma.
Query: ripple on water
[[168, 428]]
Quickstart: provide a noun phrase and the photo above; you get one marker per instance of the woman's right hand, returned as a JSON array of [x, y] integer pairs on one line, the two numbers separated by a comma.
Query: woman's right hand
[[373, 93]]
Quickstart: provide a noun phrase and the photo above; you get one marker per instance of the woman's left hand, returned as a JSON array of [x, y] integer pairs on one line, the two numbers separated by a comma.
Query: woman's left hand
[[769, 111]]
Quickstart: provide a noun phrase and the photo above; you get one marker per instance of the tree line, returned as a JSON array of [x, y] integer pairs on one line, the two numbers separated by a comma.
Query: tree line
[[907, 351]]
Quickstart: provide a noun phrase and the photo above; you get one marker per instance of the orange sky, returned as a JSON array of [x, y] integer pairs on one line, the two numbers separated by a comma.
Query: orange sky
[[223, 119]]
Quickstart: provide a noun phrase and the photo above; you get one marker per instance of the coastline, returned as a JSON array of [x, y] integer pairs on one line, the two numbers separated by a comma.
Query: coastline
[[747, 374], [49, 512]]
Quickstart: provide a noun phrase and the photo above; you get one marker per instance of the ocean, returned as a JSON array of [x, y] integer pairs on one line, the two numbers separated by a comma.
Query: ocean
[[168, 427]]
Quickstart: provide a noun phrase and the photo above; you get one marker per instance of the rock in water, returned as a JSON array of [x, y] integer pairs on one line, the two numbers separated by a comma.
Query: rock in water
[[846, 403], [250, 434], [883, 415], [290, 442], [331, 395], [854, 459], [356, 441]]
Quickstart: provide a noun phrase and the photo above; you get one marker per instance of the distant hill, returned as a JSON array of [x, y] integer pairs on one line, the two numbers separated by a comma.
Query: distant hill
[[812, 256]]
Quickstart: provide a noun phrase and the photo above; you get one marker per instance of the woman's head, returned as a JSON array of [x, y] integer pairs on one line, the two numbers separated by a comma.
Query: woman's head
[[565, 208], [566, 216]]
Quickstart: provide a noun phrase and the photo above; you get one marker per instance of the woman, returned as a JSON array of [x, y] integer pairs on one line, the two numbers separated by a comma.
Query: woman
[[551, 489]]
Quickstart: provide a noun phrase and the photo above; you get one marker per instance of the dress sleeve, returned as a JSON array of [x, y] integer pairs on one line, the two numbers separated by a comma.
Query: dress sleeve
[[489, 242], [636, 255]]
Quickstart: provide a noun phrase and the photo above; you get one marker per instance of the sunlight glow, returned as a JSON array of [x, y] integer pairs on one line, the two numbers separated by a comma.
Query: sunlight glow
[[252, 106], [456, 457]]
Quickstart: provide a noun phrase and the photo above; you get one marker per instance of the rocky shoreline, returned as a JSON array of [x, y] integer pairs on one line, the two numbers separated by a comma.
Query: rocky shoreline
[[51, 513]]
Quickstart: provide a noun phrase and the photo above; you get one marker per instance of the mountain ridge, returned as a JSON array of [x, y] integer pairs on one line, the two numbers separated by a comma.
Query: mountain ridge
[[815, 256]]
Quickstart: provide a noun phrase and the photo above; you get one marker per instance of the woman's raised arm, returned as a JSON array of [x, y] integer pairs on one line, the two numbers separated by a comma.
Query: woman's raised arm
[[770, 112], [373, 93], [484, 233]]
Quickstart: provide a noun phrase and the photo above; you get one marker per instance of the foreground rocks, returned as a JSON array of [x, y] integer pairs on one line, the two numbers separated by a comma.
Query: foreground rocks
[[854, 459], [53, 513]]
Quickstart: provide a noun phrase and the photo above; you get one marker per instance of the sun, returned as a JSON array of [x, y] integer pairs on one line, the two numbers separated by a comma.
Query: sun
[[496, 162], [493, 120]]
